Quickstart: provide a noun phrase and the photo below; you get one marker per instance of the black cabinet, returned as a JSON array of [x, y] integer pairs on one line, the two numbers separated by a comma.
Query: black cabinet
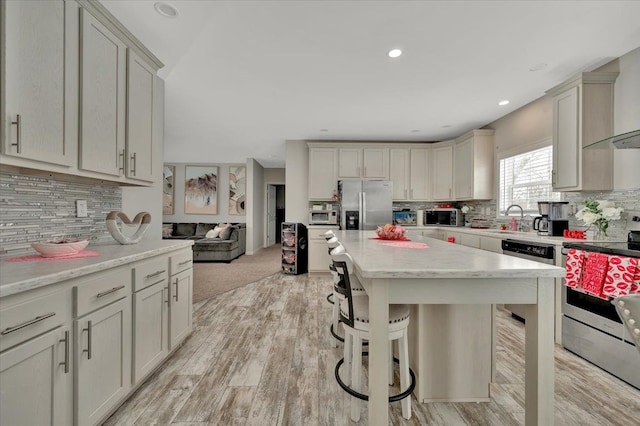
[[295, 247]]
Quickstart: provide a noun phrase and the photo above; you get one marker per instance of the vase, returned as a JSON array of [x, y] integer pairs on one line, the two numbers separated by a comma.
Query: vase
[[599, 234]]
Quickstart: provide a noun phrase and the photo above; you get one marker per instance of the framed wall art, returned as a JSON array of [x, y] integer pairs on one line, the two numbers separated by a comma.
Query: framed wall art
[[201, 190], [237, 189], [168, 182]]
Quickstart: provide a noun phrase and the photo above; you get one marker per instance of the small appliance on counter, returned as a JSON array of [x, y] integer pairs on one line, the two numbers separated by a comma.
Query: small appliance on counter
[[541, 223], [405, 218], [447, 216], [323, 217], [558, 218]]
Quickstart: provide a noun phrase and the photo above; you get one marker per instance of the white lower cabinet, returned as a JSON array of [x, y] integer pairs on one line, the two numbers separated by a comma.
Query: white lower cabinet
[[180, 291], [35, 381], [103, 360], [318, 254], [150, 328]]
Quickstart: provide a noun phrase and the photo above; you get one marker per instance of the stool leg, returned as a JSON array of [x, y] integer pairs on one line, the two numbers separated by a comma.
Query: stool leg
[[356, 376], [391, 363], [335, 317], [405, 378], [348, 354]]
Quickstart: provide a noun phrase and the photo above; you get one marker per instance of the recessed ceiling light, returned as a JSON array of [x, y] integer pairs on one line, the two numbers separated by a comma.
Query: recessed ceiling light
[[446, 126], [538, 66], [394, 53], [324, 130], [166, 10], [415, 131], [503, 103]]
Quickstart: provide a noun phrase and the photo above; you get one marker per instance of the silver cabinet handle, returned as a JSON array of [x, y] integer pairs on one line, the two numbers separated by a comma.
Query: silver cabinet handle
[[365, 171], [166, 289], [175, 296], [104, 293], [121, 161], [184, 263], [27, 324], [88, 330], [66, 352], [405, 193], [155, 274], [133, 168], [18, 143]]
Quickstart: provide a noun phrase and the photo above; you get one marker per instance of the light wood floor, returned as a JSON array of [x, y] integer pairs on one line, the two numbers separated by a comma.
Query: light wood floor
[[263, 355]]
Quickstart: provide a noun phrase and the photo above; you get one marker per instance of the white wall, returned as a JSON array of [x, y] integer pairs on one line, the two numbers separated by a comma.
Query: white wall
[[297, 178], [626, 119], [255, 206], [274, 176], [149, 199]]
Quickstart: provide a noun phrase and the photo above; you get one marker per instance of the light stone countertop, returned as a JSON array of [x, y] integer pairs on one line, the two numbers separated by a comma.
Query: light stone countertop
[[17, 277], [531, 236], [374, 259]]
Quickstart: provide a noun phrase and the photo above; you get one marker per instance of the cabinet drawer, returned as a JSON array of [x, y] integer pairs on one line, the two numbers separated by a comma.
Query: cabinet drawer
[[180, 261], [101, 289], [23, 321], [151, 271]]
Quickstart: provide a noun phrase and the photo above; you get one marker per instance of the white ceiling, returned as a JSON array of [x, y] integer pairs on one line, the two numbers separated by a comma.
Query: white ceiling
[[244, 76]]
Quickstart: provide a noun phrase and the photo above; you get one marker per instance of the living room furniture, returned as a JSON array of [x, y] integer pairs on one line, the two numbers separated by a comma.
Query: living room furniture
[[209, 249]]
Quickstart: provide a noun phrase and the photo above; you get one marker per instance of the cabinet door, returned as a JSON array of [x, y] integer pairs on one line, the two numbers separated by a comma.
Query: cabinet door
[[38, 82], [350, 162], [399, 173], [318, 255], [150, 328], [103, 360], [140, 78], [180, 289], [35, 381], [102, 98], [375, 162], [566, 140], [419, 173], [322, 173], [463, 169], [442, 173]]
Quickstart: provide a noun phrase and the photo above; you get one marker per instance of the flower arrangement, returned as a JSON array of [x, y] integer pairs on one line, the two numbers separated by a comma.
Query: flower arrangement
[[390, 232], [599, 213], [466, 209]]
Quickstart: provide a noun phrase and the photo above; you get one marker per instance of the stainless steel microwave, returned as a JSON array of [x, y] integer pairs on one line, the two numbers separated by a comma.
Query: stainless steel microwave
[[443, 217], [323, 217]]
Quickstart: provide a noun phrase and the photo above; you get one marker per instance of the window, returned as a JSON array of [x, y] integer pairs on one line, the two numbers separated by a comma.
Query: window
[[525, 179]]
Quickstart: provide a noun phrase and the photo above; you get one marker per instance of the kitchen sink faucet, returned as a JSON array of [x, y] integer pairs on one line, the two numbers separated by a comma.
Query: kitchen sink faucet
[[506, 213]]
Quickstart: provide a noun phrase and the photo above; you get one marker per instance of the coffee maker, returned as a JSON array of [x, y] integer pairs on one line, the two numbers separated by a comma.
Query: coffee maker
[[558, 218], [541, 223]]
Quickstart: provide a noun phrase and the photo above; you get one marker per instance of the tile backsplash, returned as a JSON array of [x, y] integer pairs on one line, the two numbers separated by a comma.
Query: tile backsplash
[[629, 200], [36, 208]]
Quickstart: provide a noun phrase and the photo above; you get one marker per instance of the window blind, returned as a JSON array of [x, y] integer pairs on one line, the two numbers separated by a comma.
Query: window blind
[[525, 179]]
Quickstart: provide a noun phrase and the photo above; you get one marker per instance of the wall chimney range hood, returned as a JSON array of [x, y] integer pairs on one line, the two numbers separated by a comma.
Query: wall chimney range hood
[[624, 141]]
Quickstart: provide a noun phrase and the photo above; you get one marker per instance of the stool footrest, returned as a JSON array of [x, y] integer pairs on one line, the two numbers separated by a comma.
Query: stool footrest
[[392, 398], [330, 298], [333, 333]]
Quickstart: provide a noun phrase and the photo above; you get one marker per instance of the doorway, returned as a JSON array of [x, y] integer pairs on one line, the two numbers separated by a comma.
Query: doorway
[[275, 213]]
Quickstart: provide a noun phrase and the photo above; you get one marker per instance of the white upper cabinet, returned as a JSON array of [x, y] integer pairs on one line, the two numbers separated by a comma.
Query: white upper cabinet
[[140, 78], [443, 173], [473, 166], [419, 174], [363, 163], [102, 98], [322, 172], [399, 172], [583, 114], [39, 81]]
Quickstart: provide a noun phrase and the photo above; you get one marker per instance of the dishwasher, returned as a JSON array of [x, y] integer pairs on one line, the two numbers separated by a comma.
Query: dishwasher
[[538, 252]]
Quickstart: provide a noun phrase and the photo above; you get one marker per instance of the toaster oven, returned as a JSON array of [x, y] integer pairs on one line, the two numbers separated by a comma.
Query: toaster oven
[[443, 217]]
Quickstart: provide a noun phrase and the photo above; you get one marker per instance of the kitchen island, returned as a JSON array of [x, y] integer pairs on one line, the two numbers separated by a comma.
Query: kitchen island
[[426, 271]]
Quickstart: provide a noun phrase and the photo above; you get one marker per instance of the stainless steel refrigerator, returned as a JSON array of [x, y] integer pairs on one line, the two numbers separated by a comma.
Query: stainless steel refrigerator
[[365, 204]]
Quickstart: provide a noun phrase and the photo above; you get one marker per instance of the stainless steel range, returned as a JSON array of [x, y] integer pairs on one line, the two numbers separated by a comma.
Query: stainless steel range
[[591, 327]]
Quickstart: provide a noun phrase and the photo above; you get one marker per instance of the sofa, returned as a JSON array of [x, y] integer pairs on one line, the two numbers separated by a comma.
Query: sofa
[[205, 249]]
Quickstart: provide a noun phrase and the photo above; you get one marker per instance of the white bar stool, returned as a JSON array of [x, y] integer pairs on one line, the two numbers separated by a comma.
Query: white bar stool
[[628, 308], [354, 315]]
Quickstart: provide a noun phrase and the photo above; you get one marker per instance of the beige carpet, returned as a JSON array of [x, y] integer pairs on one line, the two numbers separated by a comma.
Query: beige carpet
[[212, 278]]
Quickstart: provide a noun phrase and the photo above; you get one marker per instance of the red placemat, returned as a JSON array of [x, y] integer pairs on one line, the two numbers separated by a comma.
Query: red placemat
[[387, 239], [37, 257], [405, 244]]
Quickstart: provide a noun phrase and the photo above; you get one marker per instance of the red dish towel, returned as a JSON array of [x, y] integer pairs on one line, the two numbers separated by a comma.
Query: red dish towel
[[620, 275], [635, 285], [575, 262], [593, 276]]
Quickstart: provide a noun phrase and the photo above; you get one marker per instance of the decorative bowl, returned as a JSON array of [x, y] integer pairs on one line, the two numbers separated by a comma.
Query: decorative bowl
[[60, 248], [390, 232]]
